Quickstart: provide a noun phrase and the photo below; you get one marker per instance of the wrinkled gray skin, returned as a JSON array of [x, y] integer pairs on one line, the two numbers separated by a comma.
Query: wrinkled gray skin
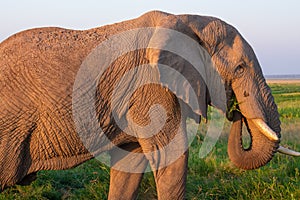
[[37, 131]]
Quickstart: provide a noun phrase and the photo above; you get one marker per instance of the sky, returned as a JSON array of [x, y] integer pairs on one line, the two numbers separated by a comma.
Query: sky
[[272, 27]]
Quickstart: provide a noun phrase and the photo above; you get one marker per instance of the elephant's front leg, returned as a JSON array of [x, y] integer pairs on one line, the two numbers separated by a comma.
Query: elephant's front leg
[[169, 165], [128, 166], [167, 152], [156, 119], [171, 180]]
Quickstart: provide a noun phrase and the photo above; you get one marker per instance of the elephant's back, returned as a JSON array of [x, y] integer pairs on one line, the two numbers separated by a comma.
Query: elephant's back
[[33, 64], [38, 68]]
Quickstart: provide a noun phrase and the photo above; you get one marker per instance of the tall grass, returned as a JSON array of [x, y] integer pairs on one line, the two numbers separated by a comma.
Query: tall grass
[[213, 177]]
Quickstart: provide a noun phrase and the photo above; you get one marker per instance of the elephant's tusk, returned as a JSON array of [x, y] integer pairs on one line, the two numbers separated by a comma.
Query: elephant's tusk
[[265, 129], [289, 152]]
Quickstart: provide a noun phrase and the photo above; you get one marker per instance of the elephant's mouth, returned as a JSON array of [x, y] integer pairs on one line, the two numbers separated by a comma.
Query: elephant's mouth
[[233, 106]]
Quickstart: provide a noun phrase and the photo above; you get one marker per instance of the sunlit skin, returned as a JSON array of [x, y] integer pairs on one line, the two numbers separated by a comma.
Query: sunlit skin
[[38, 124]]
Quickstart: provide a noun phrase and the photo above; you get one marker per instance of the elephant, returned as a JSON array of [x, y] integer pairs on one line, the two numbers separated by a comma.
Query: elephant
[[43, 108]]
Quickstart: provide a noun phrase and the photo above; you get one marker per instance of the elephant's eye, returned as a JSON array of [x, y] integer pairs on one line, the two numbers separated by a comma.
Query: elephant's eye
[[239, 71]]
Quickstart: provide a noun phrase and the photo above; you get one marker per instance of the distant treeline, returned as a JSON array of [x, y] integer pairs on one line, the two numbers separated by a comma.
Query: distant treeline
[[285, 77]]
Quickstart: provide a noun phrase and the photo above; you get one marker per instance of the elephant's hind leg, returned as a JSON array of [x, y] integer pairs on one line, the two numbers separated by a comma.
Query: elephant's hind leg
[[128, 165]]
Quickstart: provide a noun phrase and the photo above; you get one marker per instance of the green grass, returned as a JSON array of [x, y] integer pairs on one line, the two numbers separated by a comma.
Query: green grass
[[213, 177], [287, 97]]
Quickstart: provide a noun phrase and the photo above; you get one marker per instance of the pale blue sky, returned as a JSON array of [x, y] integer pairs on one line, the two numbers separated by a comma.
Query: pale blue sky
[[272, 27]]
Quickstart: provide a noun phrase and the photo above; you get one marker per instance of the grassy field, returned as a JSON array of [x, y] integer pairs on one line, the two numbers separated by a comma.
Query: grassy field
[[213, 177]]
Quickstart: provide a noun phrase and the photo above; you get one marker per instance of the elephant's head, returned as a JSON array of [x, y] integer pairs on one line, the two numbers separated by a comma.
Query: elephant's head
[[239, 68], [236, 63]]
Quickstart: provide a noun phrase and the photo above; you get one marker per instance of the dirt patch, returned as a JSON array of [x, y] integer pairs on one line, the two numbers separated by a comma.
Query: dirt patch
[[287, 81], [291, 94]]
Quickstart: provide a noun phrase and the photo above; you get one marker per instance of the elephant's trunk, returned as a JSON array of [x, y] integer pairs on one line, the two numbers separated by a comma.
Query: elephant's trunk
[[261, 149], [259, 113]]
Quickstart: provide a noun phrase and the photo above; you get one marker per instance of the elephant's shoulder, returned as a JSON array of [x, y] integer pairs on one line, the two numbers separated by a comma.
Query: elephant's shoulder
[[155, 14]]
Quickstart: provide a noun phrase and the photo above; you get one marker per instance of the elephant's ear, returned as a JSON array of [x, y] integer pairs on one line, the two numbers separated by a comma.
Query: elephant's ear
[[186, 68]]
